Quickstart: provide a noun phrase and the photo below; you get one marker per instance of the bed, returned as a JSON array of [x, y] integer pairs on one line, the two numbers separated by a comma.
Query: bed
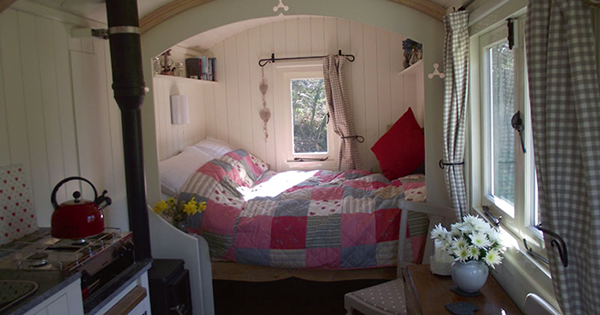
[[260, 225]]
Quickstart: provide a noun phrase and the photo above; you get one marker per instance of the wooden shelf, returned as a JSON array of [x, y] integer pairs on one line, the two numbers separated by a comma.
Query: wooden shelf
[[172, 77], [412, 68]]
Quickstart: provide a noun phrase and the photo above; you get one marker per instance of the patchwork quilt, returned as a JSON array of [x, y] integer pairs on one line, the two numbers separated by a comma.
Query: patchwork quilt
[[303, 219]]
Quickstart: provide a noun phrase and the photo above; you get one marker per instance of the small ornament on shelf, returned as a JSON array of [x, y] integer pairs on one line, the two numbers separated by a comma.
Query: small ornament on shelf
[[166, 63]]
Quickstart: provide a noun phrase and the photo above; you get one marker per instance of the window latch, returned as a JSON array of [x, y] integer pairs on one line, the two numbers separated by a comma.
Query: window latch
[[557, 242], [517, 124], [487, 212]]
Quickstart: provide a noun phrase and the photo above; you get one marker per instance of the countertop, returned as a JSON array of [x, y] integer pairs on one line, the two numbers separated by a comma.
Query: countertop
[[49, 283]]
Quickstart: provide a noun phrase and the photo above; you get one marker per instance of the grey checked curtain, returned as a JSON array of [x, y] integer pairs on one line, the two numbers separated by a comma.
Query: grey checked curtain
[[565, 105], [340, 110], [456, 68]]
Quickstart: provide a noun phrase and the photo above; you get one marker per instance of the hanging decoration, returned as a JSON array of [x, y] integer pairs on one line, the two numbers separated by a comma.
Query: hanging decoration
[[265, 113], [281, 6], [436, 72]]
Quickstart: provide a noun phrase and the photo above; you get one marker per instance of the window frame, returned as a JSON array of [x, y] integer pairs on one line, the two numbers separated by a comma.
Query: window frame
[[285, 73], [521, 223]]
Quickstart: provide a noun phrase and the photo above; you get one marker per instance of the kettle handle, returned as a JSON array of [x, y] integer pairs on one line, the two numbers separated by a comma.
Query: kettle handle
[[55, 190]]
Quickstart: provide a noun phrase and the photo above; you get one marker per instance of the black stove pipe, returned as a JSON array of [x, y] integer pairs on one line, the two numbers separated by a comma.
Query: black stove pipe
[[129, 90]]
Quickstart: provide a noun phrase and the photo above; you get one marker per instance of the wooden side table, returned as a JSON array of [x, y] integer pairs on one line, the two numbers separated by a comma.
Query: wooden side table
[[430, 294]]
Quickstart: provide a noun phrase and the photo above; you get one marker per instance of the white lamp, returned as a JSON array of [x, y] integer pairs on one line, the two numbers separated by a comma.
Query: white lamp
[[180, 110]]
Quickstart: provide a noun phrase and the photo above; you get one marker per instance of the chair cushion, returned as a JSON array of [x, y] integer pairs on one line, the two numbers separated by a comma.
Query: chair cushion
[[388, 297]]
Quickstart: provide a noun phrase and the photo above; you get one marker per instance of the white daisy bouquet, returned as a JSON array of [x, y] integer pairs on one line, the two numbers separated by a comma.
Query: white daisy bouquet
[[472, 239]]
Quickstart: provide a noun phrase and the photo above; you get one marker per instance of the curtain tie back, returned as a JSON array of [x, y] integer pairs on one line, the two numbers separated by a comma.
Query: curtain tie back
[[360, 139], [442, 164]]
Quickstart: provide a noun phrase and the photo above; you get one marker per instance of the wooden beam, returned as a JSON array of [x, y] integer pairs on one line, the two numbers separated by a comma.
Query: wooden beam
[[430, 8], [5, 4], [173, 8], [166, 12]]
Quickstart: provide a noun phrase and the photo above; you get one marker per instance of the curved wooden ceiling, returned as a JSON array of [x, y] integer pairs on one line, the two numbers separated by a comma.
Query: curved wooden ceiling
[[178, 6]]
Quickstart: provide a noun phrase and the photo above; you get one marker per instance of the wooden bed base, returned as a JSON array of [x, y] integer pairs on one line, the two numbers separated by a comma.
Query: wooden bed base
[[241, 272]]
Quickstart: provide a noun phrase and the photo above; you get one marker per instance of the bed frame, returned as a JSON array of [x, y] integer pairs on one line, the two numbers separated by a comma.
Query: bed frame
[[169, 242]]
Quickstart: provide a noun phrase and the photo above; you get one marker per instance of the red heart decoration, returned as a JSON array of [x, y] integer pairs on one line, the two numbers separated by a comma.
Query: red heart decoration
[[18, 230], [6, 234], [312, 213], [1, 191], [217, 198], [7, 172], [5, 207], [20, 195], [19, 170], [14, 214], [28, 200], [332, 210], [16, 178], [5, 181], [2, 218], [23, 185], [28, 225], [322, 208], [24, 210], [32, 215], [9, 224], [13, 188], [17, 204], [21, 220], [9, 198]]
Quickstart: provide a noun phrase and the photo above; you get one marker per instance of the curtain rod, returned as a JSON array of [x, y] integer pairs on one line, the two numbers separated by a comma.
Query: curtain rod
[[264, 62]]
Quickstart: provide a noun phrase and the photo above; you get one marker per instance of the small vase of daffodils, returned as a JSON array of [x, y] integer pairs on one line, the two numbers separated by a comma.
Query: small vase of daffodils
[[177, 211], [475, 246]]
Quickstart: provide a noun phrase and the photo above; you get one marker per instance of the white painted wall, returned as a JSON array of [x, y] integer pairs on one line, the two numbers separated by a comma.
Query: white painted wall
[[172, 138], [378, 13], [57, 113], [377, 90]]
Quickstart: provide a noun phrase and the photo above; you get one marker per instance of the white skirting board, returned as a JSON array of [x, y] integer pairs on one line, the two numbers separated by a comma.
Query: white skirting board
[[171, 243]]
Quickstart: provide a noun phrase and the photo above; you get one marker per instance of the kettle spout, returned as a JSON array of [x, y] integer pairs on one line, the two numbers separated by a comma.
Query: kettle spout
[[103, 199]]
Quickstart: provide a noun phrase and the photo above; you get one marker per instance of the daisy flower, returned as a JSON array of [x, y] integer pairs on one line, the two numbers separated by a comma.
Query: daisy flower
[[462, 254], [459, 242], [493, 258], [439, 232], [480, 240], [474, 252]]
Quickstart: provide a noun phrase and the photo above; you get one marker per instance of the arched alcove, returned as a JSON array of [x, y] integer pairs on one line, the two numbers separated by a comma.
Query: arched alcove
[[380, 13]]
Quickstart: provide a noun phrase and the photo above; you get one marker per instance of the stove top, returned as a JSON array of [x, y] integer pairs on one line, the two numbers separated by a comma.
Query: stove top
[[41, 251]]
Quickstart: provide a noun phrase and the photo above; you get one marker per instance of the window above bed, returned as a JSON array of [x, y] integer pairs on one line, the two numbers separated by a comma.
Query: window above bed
[[302, 118]]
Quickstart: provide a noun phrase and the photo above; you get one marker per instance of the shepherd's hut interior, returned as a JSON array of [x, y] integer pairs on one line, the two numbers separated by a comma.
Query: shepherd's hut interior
[[299, 157]]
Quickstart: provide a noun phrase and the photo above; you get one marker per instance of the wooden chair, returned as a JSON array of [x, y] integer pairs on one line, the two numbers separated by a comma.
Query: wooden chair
[[390, 298]]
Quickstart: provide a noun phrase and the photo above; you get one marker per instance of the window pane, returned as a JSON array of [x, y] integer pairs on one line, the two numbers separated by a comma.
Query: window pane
[[502, 103], [309, 108]]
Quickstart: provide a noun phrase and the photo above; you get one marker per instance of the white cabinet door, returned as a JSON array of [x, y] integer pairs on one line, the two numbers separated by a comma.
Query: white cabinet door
[[64, 302]]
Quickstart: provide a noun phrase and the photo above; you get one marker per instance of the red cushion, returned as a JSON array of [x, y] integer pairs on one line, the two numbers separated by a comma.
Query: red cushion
[[402, 149]]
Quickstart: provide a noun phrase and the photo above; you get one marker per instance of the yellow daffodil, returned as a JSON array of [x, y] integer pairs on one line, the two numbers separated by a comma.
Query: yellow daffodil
[[171, 202], [160, 206], [191, 207], [202, 206]]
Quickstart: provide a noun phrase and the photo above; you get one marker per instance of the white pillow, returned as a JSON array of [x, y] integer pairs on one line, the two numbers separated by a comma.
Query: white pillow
[[213, 147], [175, 171]]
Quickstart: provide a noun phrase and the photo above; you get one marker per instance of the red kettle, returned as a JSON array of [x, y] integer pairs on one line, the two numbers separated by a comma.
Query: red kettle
[[78, 218]]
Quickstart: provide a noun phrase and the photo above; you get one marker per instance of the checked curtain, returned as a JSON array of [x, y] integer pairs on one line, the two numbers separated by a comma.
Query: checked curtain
[[456, 68], [565, 104], [340, 110]]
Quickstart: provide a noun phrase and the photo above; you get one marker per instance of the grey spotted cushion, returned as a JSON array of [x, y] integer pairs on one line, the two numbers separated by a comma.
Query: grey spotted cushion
[[388, 297]]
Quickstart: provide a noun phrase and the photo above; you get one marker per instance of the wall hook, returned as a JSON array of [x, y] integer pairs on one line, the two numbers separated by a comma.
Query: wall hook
[[436, 72]]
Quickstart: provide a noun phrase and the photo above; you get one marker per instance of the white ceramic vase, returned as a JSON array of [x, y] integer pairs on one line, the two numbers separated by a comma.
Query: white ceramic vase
[[469, 276]]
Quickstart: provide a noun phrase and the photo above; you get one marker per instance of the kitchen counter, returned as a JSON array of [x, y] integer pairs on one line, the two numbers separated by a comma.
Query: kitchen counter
[[50, 282], [102, 297]]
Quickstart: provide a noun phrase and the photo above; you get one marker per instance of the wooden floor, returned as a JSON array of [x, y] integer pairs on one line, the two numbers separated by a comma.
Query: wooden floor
[[284, 297]]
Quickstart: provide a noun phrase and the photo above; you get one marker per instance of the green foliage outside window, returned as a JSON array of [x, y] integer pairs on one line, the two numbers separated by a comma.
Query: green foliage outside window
[[309, 109]]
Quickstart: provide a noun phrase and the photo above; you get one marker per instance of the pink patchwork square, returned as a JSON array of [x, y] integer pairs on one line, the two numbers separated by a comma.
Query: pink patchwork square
[[234, 155], [327, 193], [235, 177], [358, 229], [388, 222], [212, 170], [330, 177], [219, 218], [255, 168], [324, 258], [288, 233], [254, 232]]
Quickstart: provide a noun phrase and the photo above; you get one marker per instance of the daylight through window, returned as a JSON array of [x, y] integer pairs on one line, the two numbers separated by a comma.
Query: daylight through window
[[309, 111]]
